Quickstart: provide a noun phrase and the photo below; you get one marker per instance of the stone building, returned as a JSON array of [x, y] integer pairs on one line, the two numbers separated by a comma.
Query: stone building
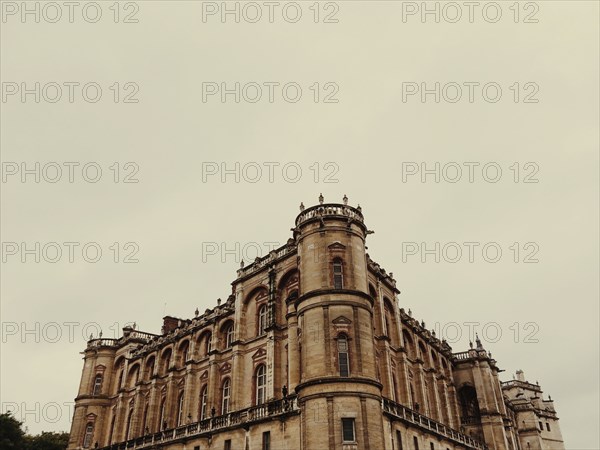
[[310, 351]]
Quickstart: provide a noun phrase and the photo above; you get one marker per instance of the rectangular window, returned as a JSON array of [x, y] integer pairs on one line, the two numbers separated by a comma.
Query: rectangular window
[[399, 439], [348, 430], [541, 426], [547, 426], [431, 446], [338, 277], [266, 440], [416, 443], [197, 447], [344, 370], [227, 445]]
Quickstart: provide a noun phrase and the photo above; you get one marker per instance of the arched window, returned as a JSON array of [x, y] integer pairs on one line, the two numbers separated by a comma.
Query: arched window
[[162, 424], [165, 362], [229, 336], [343, 361], [128, 428], [203, 402], [261, 384], [145, 420], [87, 437], [149, 369], [183, 353], [262, 319], [226, 395], [208, 343], [338, 274], [133, 375], [469, 405], [97, 384], [112, 428], [121, 375], [180, 409]]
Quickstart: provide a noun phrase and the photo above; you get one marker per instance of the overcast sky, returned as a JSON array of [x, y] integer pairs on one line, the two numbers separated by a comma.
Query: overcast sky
[[347, 112]]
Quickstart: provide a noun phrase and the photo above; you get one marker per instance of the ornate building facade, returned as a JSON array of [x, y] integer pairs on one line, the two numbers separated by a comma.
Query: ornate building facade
[[310, 351]]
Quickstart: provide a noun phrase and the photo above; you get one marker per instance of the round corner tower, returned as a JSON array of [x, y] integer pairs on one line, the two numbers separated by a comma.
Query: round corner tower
[[338, 387]]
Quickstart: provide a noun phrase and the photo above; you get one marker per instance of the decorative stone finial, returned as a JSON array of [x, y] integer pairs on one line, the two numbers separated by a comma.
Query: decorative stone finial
[[100, 334], [471, 344], [242, 264], [218, 302], [477, 341], [409, 312], [301, 206], [196, 312], [423, 323], [321, 198], [91, 336], [134, 325], [345, 199], [359, 208]]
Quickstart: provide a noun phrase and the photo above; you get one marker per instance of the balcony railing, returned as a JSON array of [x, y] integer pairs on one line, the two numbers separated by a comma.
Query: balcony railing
[[257, 413], [261, 262], [329, 209], [414, 418]]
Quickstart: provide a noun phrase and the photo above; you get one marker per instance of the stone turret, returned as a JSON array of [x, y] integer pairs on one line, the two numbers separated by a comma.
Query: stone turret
[[338, 387]]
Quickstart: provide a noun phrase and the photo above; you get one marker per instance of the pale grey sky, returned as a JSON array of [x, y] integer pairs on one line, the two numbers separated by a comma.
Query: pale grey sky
[[547, 311]]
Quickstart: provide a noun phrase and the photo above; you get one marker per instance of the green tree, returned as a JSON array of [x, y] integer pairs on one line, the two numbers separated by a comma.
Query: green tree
[[12, 436], [48, 441]]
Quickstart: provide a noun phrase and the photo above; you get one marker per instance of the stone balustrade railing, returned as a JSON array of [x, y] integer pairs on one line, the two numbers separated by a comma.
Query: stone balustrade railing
[[408, 415], [206, 427], [329, 209]]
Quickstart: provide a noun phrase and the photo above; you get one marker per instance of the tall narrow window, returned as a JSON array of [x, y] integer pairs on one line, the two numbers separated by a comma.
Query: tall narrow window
[[343, 356], [416, 443], [145, 420], [203, 399], [180, 409], [87, 438], [184, 353], [208, 343], [162, 424], [121, 374], [338, 275], [227, 444], [399, 439], [266, 440], [128, 427], [97, 384], [262, 319], [229, 336], [112, 428], [348, 430], [226, 396], [261, 384], [431, 446]]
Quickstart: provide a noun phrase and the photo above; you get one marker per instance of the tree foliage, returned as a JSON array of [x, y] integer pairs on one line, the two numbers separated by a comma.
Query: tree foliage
[[13, 437]]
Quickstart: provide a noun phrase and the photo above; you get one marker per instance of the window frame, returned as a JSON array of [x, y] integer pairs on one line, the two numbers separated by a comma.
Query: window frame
[[342, 338], [338, 276], [97, 389], [225, 399], [263, 316], [88, 435], [229, 335], [350, 420], [203, 402], [260, 389]]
